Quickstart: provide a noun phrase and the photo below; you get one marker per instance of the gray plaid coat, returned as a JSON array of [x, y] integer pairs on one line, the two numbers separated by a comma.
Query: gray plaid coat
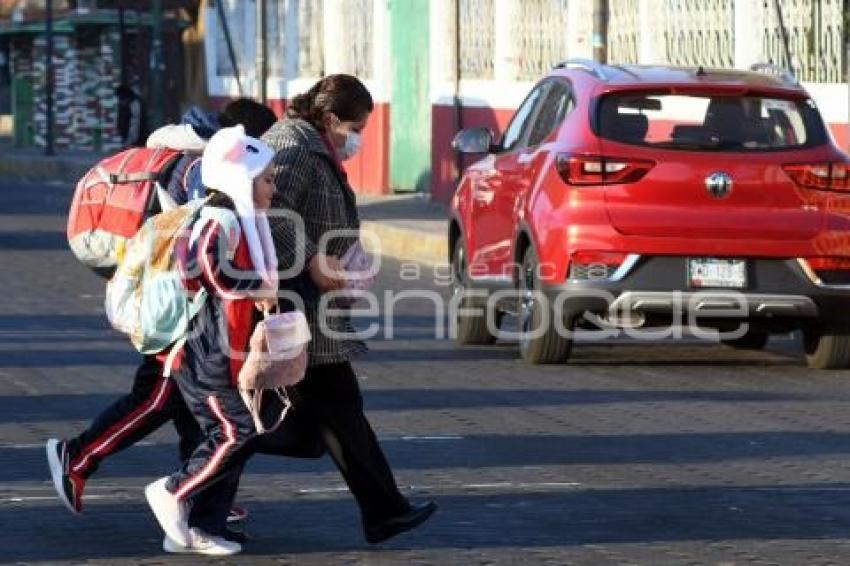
[[309, 183]]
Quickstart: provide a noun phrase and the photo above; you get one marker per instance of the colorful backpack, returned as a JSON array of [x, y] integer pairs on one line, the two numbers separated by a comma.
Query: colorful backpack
[[147, 298], [112, 201]]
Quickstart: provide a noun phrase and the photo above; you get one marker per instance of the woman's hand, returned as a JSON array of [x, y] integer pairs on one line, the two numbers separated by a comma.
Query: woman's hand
[[327, 272]]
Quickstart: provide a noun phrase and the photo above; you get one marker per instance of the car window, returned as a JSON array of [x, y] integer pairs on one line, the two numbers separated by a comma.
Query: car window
[[710, 122], [552, 112], [519, 124]]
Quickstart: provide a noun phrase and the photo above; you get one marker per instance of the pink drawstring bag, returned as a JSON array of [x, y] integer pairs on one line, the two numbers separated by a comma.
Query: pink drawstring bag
[[277, 359]]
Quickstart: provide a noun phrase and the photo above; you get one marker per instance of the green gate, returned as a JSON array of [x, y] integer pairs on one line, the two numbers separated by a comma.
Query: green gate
[[410, 108]]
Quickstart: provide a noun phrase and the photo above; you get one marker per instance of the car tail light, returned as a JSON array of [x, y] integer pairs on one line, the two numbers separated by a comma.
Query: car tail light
[[830, 270], [595, 265], [834, 176], [829, 263], [600, 170]]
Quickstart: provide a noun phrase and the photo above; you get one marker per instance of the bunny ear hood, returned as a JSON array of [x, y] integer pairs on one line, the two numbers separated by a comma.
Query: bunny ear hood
[[230, 162]]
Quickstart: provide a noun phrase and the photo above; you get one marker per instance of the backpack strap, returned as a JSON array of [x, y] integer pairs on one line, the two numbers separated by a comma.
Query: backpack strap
[[137, 177]]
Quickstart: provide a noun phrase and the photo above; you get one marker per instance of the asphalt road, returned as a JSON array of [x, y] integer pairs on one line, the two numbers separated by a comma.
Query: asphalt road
[[663, 452]]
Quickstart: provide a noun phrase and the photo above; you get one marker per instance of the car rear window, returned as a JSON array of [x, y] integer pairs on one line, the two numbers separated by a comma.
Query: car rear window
[[710, 122]]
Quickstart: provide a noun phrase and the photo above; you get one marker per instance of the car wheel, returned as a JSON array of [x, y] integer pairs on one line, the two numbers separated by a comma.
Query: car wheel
[[827, 351], [471, 329], [538, 347], [751, 340]]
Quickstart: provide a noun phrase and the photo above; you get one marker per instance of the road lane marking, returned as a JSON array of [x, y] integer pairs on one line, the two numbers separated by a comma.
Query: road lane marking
[[442, 437], [24, 499]]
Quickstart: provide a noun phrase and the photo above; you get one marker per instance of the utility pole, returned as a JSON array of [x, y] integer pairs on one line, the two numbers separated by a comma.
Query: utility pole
[[600, 31], [262, 65], [48, 78], [157, 65]]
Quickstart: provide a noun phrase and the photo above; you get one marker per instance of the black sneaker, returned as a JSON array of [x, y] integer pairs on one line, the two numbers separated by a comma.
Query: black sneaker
[[69, 486], [411, 519]]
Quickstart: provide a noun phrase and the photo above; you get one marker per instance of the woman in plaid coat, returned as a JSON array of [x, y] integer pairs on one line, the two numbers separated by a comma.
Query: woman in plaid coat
[[314, 221]]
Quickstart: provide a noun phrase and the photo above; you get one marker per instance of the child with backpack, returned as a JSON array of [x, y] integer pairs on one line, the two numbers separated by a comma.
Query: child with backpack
[[94, 223], [232, 259]]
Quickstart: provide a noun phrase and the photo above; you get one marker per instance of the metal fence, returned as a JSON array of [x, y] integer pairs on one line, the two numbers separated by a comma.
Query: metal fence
[[276, 46], [477, 30], [358, 16], [236, 16], [311, 61], [623, 31], [541, 35], [702, 32], [699, 32], [814, 30]]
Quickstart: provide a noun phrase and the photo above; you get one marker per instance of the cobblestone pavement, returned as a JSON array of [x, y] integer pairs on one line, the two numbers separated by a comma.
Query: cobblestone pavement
[[636, 453]]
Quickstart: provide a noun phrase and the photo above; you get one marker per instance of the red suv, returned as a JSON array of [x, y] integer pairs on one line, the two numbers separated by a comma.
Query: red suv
[[645, 197]]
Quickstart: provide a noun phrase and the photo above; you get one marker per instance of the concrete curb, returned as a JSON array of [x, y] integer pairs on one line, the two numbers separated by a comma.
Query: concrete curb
[[404, 244]]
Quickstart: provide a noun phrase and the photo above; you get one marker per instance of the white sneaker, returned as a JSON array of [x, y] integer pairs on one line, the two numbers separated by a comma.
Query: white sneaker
[[172, 514], [202, 543]]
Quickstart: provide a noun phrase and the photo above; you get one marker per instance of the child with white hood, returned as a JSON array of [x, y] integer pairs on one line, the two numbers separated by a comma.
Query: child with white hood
[[231, 255]]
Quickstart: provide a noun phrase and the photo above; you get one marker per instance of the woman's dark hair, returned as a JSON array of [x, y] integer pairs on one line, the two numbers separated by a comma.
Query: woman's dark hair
[[343, 95]]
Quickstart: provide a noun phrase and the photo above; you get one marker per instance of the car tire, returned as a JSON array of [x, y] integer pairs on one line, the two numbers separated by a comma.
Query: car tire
[[751, 340], [548, 347], [471, 329], [827, 351]]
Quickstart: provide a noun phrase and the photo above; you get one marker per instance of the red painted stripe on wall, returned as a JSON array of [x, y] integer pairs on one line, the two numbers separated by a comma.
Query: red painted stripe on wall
[[369, 170]]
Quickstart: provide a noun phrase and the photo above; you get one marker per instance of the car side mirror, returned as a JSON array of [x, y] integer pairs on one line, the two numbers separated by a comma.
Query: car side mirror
[[473, 140]]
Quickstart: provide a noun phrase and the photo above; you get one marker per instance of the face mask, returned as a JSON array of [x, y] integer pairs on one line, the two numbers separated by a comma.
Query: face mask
[[352, 145]]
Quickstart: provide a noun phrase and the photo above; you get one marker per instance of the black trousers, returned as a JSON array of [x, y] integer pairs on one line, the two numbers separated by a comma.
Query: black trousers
[[226, 425], [327, 414], [153, 401]]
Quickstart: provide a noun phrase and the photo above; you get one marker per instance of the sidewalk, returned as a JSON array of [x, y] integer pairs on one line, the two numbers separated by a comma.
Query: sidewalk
[[409, 227]]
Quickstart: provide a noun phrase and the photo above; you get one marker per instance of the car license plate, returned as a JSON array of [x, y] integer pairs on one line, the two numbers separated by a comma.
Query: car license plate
[[713, 272]]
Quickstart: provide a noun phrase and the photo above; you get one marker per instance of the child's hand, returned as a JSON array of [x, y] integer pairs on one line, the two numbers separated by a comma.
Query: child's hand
[[266, 304]]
